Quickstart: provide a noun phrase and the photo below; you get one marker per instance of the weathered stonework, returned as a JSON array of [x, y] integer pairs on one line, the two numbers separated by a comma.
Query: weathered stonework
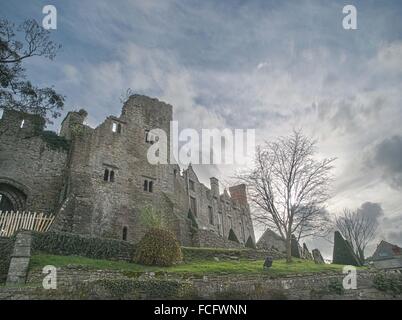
[[20, 258], [82, 283], [31, 171], [100, 184]]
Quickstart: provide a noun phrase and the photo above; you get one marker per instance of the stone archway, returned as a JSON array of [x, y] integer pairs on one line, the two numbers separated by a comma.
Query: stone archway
[[12, 199]]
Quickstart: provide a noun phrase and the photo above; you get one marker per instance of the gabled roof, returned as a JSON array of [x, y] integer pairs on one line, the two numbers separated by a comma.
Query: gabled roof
[[386, 250]]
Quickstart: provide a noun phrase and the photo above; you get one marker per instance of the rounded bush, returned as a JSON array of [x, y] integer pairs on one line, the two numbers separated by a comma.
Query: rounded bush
[[158, 247]]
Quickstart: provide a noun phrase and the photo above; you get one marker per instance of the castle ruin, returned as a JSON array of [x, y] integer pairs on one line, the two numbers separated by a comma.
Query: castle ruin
[[97, 180]]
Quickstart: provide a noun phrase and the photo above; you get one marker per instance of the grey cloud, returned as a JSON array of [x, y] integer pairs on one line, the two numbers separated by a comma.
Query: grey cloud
[[395, 237], [387, 156], [371, 210], [349, 114]]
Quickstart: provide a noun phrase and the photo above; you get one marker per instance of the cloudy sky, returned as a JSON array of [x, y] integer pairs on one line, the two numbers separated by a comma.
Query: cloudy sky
[[267, 65]]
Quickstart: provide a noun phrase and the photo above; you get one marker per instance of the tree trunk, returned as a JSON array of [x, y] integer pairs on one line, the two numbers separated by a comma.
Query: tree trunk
[[361, 255], [288, 249]]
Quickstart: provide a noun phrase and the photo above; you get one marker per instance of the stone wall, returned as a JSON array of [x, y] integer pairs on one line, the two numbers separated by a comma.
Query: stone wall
[[207, 238], [20, 258], [6, 249], [31, 165], [82, 283]]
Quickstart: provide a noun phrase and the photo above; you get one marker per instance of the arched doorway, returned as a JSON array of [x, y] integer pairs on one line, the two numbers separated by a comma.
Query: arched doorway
[[11, 198]]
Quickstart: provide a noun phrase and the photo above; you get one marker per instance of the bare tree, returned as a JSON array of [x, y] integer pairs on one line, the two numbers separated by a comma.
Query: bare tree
[[358, 229], [288, 187]]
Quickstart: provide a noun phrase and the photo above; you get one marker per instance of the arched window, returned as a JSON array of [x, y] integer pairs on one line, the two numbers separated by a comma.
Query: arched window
[[125, 232], [150, 185], [119, 128], [111, 178], [145, 185], [106, 175]]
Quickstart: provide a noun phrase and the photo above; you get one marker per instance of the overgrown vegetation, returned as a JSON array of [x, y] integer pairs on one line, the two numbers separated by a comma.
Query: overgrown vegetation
[[158, 247], [152, 218], [54, 141], [336, 286], [391, 283]]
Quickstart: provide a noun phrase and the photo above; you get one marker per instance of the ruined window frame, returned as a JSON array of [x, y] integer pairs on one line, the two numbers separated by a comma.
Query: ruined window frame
[[193, 205], [211, 215], [125, 233], [191, 185], [106, 175]]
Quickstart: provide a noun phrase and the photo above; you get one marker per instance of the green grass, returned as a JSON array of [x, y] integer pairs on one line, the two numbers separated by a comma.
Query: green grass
[[279, 267]]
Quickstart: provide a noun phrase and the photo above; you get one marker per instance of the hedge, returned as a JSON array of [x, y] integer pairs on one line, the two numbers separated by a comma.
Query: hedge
[[6, 249], [67, 244]]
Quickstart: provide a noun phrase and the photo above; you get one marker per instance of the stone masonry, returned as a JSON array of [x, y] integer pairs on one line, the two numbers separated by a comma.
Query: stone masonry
[[99, 185]]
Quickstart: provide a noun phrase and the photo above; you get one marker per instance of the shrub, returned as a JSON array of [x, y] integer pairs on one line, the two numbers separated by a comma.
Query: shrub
[[335, 286], [158, 248], [388, 283]]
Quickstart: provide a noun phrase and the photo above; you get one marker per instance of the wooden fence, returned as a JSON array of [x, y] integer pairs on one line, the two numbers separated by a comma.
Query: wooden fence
[[11, 221]]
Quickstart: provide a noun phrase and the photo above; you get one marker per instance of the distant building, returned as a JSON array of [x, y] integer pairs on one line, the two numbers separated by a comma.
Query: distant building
[[271, 240], [387, 256]]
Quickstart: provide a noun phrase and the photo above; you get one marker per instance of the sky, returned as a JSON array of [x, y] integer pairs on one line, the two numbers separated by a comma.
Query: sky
[[266, 65]]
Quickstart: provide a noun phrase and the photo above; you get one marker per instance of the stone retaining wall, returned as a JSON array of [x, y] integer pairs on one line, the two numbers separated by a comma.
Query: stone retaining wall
[[83, 283]]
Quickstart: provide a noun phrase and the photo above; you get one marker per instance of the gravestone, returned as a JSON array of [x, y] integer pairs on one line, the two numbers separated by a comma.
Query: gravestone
[[343, 252], [317, 256], [306, 253], [268, 262]]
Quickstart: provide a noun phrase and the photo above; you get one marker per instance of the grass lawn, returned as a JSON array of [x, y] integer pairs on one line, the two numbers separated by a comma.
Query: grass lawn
[[279, 267]]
